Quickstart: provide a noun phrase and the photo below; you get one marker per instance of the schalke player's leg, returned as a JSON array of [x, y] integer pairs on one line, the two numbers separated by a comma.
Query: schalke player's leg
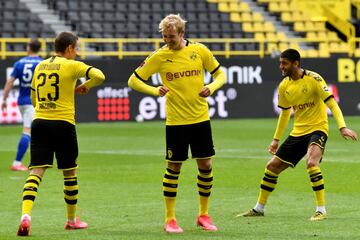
[[27, 113]]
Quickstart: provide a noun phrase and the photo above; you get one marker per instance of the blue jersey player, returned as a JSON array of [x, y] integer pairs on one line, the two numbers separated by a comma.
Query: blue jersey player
[[23, 70]]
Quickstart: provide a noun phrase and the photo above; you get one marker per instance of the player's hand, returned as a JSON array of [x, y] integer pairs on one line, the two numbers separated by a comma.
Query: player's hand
[[348, 133], [163, 90], [273, 146], [205, 92], [81, 89], [3, 106]]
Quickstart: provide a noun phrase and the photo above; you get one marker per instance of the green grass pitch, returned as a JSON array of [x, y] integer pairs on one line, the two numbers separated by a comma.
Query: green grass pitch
[[121, 166]]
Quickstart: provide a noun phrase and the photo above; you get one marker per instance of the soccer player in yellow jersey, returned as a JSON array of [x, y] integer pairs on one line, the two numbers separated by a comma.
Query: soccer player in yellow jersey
[[53, 129], [308, 95], [181, 65]]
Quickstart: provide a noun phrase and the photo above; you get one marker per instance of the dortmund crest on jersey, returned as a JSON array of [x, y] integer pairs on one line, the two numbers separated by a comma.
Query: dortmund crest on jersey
[[193, 56]]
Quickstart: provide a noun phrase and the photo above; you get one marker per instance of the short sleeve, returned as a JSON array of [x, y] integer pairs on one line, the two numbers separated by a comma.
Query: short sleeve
[[16, 71], [148, 67]]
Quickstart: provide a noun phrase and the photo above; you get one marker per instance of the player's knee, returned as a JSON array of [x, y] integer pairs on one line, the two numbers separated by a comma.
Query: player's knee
[[204, 164], [174, 166], [275, 165]]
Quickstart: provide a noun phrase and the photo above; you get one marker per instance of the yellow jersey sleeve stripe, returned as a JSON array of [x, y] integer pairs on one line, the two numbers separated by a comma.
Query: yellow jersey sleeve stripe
[[87, 72], [213, 71], [328, 98], [137, 75], [284, 107]]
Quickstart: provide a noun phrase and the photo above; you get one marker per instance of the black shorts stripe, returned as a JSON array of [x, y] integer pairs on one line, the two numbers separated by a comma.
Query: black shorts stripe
[[205, 179], [137, 75], [170, 185], [266, 188], [71, 193], [318, 188], [169, 194]]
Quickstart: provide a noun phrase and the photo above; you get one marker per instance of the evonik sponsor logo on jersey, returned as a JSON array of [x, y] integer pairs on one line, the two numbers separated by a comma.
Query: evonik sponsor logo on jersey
[[188, 73], [331, 87], [235, 75]]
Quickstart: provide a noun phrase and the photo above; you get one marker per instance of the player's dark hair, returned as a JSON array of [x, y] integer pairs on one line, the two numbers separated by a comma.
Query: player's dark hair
[[291, 54], [34, 45], [63, 40]]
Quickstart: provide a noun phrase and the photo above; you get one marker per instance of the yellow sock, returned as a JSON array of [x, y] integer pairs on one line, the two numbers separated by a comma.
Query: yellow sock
[[170, 184], [267, 185], [317, 183], [204, 183], [29, 193], [71, 188]]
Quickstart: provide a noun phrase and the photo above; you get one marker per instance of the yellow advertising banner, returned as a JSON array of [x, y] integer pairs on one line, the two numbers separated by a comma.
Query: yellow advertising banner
[[341, 8]]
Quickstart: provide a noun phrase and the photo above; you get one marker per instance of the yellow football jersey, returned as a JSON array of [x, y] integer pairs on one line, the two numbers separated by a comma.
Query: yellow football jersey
[[54, 88], [182, 72], [307, 97]]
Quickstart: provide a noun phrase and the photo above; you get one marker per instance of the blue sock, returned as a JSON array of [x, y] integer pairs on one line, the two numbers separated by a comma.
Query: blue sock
[[22, 146]]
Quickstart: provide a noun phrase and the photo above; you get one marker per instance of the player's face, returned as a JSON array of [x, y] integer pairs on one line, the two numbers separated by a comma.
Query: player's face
[[287, 67], [172, 38]]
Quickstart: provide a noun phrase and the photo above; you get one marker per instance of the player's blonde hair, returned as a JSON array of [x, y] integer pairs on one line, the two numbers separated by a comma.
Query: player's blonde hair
[[172, 21]]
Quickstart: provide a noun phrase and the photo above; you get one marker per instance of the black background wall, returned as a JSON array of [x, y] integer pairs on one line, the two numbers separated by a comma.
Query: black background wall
[[250, 91]]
